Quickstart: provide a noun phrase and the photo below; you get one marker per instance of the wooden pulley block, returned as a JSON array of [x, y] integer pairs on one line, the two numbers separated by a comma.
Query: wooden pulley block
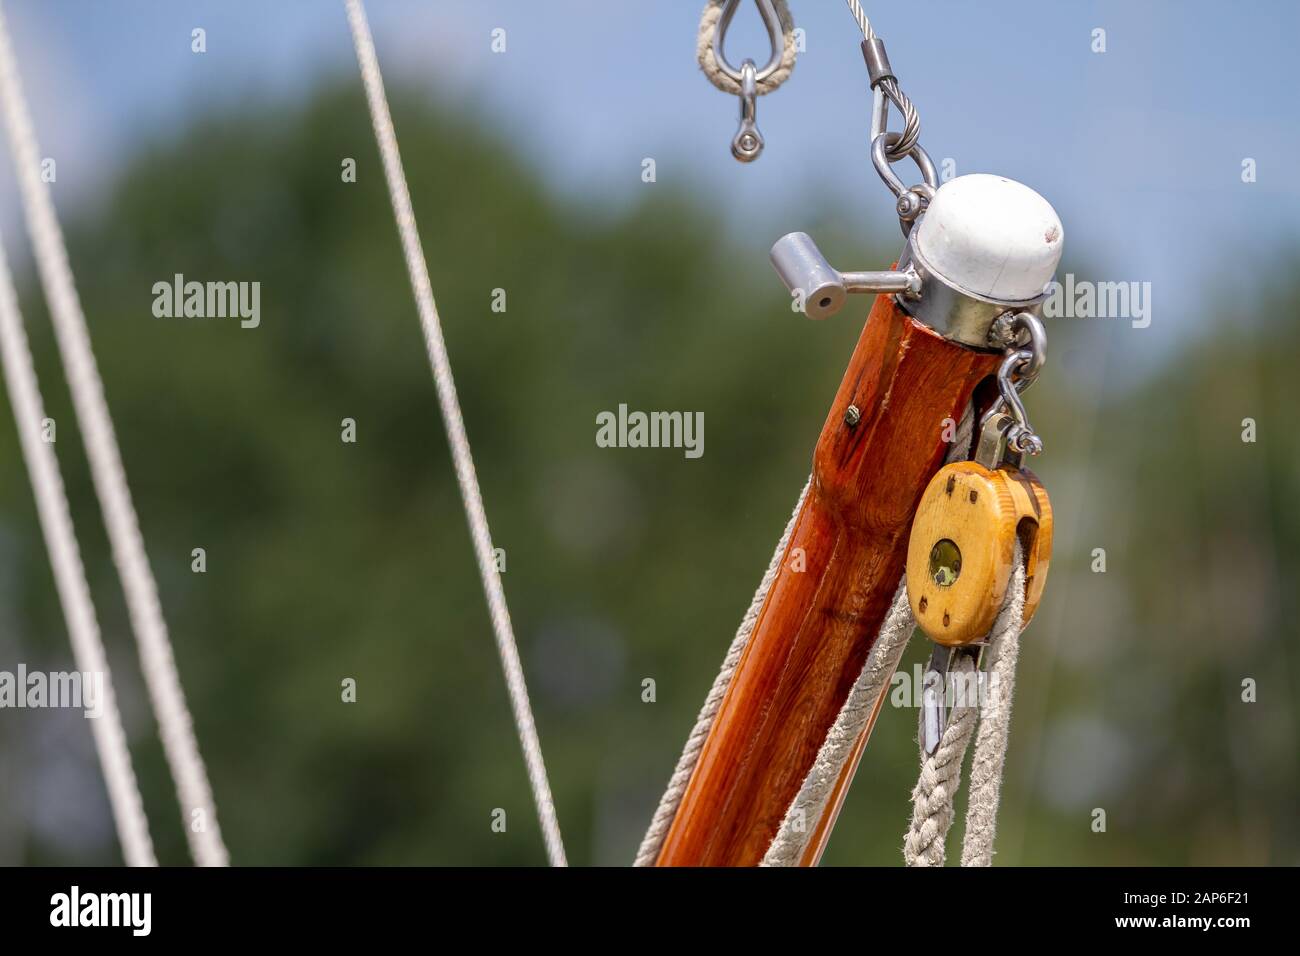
[[959, 559]]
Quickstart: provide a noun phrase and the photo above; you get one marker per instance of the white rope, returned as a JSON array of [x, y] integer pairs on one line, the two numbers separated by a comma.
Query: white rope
[[995, 724], [940, 777], [672, 798], [809, 805], [198, 811], [70, 576], [455, 424], [709, 63]]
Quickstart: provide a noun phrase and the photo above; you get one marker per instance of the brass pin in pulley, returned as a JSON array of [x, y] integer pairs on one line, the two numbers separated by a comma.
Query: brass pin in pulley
[[963, 540]]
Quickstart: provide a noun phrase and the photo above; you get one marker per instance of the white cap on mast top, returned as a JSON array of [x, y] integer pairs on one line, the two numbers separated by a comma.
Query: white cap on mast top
[[991, 236], [984, 245]]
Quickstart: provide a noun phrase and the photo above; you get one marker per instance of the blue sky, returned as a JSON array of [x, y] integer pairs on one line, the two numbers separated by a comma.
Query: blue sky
[[1139, 148]]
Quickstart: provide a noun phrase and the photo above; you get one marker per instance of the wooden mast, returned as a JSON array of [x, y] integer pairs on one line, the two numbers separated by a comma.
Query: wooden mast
[[817, 624]]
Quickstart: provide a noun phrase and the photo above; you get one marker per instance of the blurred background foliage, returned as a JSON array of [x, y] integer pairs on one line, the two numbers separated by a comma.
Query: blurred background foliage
[[329, 560]]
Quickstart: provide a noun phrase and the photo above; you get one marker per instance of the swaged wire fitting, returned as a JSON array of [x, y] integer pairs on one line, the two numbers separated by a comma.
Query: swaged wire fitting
[[889, 147]]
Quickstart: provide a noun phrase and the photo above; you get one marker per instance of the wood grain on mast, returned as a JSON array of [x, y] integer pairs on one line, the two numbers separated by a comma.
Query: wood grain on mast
[[817, 624]]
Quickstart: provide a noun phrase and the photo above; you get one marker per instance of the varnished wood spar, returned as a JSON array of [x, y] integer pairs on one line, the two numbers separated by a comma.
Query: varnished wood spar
[[817, 624]]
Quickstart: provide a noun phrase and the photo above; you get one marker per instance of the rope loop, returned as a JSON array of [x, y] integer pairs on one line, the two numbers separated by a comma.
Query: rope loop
[[712, 37]]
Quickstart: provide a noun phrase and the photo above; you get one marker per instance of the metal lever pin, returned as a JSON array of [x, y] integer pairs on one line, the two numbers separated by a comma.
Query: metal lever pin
[[823, 288]]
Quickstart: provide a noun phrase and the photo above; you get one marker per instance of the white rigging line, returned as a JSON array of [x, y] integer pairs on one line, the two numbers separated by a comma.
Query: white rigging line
[[457, 438], [198, 811], [70, 576]]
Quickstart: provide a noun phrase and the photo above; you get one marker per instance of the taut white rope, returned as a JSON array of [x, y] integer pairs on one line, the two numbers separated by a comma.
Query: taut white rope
[[70, 576], [810, 804], [995, 725], [198, 811], [672, 798], [941, 772], [455, 424], [940, 778]]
